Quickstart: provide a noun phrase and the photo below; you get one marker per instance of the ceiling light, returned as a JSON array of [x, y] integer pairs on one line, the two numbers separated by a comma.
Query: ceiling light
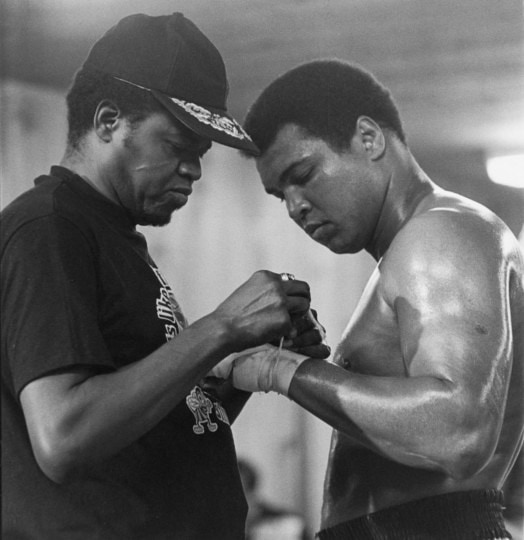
[[507, 170]]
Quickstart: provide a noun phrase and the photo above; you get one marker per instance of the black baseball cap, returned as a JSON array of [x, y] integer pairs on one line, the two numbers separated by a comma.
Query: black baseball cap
[[170, 57]]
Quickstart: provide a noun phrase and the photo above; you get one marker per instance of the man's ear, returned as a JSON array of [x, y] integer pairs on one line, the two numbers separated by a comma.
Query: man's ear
[[106, 119], [370, 136]]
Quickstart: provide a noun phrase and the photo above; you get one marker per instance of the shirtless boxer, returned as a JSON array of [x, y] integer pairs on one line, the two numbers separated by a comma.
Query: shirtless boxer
[[425, 388]]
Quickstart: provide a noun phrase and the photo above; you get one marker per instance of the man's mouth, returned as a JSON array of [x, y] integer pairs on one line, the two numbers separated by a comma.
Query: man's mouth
[[178, 197], [183, 191], [310, 228]]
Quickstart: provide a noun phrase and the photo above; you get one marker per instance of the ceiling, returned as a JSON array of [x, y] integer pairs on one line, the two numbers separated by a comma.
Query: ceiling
[[455, 67]]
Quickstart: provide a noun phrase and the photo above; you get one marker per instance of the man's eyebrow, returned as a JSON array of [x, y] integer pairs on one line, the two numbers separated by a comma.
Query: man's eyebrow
[[271, 191], [284, 175], [289, 169], [191, 139], [204, 147]]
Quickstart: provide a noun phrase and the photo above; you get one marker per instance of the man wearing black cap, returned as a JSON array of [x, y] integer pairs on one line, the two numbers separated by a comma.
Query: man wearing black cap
[[111, 428]]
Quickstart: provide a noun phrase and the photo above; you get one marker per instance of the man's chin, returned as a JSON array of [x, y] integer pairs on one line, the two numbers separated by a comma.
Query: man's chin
[[160, 217], [155, 220], [336, 246]]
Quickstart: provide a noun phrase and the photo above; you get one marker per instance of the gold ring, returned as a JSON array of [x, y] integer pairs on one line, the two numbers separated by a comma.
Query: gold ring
[[287, 277]]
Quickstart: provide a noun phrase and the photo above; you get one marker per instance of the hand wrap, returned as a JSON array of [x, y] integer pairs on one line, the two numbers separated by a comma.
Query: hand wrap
[[260, 369]]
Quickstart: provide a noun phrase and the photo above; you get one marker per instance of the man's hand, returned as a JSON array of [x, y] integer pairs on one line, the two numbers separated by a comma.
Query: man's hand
[[261, 310], [260, 369], [310, 337]]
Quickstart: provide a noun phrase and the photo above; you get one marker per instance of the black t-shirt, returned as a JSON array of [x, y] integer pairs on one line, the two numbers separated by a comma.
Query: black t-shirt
[[79, 288]]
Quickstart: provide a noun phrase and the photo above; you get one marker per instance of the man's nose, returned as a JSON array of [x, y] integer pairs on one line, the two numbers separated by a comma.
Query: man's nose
[[190, 168], [297, 205]]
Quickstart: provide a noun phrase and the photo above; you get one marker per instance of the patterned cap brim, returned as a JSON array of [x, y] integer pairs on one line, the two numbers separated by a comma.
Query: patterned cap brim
[[216, 125]]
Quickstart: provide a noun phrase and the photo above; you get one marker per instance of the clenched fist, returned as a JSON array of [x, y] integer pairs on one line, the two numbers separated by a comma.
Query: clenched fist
[[261, 310]]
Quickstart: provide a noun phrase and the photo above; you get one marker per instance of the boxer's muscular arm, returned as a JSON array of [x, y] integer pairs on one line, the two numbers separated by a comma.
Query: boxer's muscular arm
[[447, 287]]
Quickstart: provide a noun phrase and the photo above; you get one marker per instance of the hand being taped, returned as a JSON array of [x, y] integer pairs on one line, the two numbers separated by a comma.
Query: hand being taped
[[260, 369]]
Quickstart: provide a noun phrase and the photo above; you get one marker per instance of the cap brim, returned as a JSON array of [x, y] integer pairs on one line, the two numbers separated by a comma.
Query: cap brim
[[214, 124]]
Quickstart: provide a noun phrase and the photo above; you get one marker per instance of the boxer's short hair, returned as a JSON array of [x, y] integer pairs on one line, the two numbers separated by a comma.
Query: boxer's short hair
[[325, 98]]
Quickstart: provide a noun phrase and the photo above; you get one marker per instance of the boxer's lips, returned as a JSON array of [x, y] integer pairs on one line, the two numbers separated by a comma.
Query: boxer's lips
[[311, 228]]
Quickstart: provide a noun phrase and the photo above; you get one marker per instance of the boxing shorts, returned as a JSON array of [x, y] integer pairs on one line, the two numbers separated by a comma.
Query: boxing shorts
[[466, 515]]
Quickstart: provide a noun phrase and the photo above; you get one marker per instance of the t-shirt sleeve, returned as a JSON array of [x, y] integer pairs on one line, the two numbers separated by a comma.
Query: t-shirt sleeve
[[49, 301]]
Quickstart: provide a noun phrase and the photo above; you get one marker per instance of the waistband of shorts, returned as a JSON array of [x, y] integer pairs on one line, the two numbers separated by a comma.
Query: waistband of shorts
[[464, 515]]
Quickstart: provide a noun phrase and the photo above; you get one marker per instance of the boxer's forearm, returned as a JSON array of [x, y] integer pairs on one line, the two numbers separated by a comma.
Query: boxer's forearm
[[420, 421]]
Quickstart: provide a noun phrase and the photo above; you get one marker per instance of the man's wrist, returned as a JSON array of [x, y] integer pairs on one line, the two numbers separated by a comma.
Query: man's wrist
[[222, 333], [283, 370]]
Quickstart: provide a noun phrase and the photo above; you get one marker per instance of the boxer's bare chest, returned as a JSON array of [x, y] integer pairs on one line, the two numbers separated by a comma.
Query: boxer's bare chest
[[371, 344]]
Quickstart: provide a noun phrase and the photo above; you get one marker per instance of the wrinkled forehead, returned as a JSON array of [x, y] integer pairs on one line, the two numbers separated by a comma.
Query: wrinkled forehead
[[291, 144]]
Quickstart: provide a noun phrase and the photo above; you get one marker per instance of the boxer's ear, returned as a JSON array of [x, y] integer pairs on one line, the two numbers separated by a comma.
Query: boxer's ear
[[370, 137]]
